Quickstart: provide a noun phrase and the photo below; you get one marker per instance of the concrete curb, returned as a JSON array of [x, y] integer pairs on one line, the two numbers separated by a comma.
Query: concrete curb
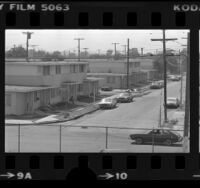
[[57, 121]]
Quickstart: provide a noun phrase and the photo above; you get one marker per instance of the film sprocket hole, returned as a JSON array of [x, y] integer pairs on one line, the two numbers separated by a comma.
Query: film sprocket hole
[[99, 90]]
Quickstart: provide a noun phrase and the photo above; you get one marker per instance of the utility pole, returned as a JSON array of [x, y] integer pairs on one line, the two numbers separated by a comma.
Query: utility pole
[[115, 45], [181, 74], [28, 36], [142, 51], [187, 99], [79, 51], [85, 51], [124, 49], [163, 40], [127, 63]]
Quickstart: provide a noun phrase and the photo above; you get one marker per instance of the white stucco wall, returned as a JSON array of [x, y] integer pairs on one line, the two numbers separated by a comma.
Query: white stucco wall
[[11, 109], [112, 67], [22, 70], [33, 75], [17, 104]]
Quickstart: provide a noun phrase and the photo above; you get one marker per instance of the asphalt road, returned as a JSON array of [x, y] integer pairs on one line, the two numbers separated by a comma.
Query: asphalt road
[[79, 135], [142, 113]]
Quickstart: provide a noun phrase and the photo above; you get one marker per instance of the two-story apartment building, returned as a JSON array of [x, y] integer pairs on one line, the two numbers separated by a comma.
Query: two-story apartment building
[[114, 72], [30, 85]]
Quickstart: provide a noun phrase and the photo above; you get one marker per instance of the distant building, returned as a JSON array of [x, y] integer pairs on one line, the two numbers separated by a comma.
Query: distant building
[[30, 85], [114, 80], [114, 72], [133, 52], [147, 65], [112, 66]]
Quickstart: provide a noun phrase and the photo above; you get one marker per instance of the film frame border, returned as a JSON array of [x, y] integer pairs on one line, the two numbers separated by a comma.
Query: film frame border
[[91, 16]]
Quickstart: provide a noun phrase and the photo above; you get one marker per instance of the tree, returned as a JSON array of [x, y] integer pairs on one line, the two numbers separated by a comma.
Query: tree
[[109, 53], [172, 65], [133, 52], [16, 52]]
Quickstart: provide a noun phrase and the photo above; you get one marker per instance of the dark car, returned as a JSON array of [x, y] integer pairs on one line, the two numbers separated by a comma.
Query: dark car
[[166, 137], [106, 88], [125, 97], [155, 85]]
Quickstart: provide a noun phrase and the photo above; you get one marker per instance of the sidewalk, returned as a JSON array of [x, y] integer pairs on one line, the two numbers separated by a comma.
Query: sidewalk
[[70, 115], [177, 120]]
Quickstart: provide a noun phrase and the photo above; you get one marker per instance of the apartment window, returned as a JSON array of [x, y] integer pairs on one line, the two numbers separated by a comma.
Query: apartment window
[[53, 93], [46, 70], [72, 68], [58, 69], [80, 88], [35, 96], [56, 92], [137, 64], [59, 92], [81, 68], [113, 79], [8, 99], [110, 79]]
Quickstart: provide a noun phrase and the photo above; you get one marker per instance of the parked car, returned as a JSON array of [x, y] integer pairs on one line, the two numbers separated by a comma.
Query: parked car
[[155, 85], [166, 137], [161, 82], [172, 102], [135, 92], [125, 97], [175, 78], [108, 103], [106, 88]]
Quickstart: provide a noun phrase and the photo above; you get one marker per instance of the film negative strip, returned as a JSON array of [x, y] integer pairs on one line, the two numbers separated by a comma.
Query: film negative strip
[[99, 90]]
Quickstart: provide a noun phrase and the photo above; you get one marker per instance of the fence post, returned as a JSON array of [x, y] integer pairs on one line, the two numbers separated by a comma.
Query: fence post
[[106, 137], [19, 138], [60, 136], [153, 141]]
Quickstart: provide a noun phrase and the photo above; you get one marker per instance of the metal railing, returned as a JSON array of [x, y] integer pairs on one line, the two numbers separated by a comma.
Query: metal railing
[[81, 138]]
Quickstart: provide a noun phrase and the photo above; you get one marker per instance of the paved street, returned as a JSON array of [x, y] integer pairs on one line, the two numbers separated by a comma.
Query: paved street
[[142, 113]]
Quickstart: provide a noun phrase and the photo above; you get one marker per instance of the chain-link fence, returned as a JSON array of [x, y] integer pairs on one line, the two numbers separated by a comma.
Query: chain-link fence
[[63, 138]]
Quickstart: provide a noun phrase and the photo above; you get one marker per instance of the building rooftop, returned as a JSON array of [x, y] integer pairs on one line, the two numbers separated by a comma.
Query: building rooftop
[[93, 79], [23, 89], [42, 63], [105, 74], [70, 83]]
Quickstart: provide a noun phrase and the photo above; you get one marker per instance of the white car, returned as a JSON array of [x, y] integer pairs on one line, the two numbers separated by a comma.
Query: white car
[[108, 103], [172, 102]]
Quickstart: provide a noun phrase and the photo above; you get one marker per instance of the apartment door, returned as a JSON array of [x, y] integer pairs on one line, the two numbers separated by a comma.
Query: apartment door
[[42, 98], [29, 102], [47, 97], [64, 94]]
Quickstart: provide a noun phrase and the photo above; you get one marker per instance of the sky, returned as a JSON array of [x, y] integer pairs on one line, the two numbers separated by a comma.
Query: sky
[[63, 40]]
